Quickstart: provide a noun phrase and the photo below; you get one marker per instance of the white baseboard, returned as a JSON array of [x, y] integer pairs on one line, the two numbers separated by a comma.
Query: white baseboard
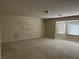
[[20, 40]]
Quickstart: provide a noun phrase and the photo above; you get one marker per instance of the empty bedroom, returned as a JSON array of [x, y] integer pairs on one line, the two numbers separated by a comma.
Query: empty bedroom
[[39, 29]]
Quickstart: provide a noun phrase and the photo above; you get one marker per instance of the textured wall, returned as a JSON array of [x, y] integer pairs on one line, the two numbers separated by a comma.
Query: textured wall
[[21, 27]]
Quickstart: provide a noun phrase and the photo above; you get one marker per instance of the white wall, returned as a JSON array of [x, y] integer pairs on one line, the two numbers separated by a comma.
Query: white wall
[[20, 27]]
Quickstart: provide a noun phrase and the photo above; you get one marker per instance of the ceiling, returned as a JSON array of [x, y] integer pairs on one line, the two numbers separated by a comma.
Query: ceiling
[[35, 8]]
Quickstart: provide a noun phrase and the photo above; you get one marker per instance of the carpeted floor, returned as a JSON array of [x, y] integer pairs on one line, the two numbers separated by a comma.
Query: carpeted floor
[[40, 49]]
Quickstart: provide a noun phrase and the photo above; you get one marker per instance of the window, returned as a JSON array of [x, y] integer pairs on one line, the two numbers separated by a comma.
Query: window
[[73, 29], [60, 26]]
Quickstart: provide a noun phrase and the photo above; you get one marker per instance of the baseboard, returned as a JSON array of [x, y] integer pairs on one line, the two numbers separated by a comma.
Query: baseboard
[[21, 40]]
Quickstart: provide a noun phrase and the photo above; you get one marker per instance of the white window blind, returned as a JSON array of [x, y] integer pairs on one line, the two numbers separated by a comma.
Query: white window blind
[[73, 29], [60, 26]]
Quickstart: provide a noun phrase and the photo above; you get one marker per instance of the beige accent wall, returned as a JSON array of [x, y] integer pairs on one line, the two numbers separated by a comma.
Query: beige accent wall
[[49, 28], [21, 28], [60, 36]]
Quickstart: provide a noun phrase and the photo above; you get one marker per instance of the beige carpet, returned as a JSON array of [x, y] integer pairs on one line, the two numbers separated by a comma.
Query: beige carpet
[[40, 49]]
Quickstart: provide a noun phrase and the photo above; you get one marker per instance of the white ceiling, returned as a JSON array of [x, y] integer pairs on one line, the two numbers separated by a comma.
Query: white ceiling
[[35, 8]]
